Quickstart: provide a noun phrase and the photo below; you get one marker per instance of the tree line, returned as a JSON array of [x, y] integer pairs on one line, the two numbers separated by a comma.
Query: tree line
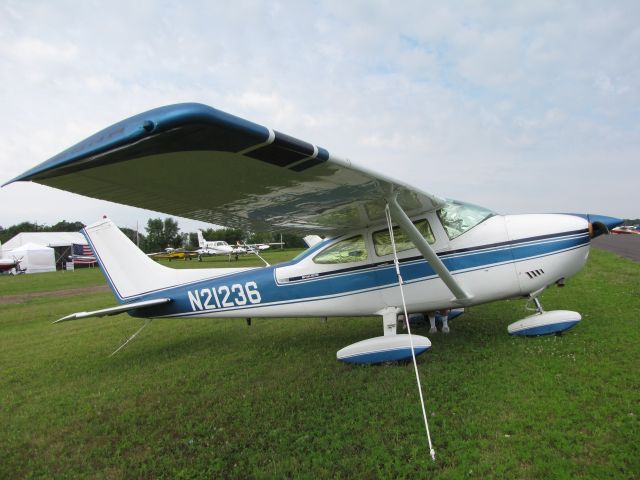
[[63, 226], [162, 234]]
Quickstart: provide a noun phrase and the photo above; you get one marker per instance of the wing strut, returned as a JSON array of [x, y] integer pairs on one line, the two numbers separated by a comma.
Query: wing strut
[[427, 252], [387, 212]]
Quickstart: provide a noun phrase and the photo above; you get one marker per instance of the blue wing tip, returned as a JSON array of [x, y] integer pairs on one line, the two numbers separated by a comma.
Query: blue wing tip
[[136, 128]]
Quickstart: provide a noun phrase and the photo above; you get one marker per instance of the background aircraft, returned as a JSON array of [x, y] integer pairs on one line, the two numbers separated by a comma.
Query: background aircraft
[[10, 265], [219, 247], [627, 230], [173, 254], [213, 247]]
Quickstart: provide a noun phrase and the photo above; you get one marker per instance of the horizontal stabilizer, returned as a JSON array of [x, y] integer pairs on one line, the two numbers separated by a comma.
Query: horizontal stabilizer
[[115, 310]]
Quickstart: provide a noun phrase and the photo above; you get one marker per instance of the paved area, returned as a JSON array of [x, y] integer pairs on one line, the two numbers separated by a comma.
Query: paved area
[[627, 246]]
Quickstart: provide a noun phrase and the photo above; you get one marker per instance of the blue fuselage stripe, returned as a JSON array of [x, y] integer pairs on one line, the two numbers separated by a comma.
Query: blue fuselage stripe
[[354, 281]]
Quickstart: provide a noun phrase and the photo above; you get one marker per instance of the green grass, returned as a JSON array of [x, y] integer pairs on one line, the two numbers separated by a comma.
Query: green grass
[[42, 282], [218, 399], [90, 277]]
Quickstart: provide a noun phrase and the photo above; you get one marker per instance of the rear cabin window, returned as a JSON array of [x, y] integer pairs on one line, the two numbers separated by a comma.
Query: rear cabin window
[[382, 240], [345, 251], [458, 217]]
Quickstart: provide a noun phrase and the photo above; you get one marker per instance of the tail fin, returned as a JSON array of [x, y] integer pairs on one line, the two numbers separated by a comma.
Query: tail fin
[[131, 273], [312, 240], [201, 242]]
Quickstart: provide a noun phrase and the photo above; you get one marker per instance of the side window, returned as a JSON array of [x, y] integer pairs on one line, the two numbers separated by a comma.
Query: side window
[[382, 241], [345, 251]]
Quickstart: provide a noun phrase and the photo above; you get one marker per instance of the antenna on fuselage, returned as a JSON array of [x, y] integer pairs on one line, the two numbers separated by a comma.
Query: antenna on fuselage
[[387, 211]]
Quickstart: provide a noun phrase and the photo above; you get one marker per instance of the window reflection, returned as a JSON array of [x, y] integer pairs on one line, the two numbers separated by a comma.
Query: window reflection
[[345, 251], [458, 217], [382, 240]]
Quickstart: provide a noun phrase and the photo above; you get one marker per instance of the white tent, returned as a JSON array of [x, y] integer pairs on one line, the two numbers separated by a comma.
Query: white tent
[[51, 239], [62, 243], [35, 258]]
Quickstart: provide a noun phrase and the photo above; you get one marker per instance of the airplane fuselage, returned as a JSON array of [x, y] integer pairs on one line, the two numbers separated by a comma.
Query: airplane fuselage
[[7, 264], [503, 256]]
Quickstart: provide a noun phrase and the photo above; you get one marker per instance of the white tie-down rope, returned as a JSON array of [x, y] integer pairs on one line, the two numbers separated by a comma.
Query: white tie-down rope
[[432, 452]]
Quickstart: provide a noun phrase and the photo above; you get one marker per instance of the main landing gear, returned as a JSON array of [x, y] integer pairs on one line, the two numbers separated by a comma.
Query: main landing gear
[[435, 317], [390, 347], [444, 317]]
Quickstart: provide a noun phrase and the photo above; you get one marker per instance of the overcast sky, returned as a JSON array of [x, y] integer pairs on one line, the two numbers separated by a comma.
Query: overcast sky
[[529, 106]]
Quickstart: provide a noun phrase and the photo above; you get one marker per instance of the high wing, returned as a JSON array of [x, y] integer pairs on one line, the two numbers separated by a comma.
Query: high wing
[[232, 172]]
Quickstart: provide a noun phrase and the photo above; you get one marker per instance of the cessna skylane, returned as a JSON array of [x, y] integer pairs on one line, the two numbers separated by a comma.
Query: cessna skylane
[[388, 248]]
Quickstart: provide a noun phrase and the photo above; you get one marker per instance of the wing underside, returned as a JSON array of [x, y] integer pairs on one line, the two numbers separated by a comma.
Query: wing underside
[[197, 162]]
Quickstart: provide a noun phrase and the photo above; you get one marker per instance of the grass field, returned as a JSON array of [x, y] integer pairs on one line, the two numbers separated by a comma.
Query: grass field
[[218, 399]]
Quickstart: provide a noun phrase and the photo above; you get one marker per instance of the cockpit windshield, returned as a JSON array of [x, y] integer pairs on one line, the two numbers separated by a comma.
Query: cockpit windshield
[[458, 217]]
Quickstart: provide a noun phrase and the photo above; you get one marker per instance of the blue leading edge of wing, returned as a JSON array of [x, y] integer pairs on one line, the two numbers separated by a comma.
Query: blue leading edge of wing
[[236, 134]]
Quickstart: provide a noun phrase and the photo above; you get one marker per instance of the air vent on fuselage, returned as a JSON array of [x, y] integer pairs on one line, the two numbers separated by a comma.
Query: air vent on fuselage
[[535, 273]]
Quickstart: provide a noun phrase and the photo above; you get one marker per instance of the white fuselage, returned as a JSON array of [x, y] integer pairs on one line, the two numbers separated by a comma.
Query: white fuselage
[[502, 257]]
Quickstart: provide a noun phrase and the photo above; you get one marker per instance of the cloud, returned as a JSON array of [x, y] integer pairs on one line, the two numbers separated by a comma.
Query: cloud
[[479, 100], [33, 51]]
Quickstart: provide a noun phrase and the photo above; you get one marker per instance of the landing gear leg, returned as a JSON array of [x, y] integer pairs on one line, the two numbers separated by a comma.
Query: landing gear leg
[[432, 322], [539, 308], [389, 320], [445, 320], [542, 322]]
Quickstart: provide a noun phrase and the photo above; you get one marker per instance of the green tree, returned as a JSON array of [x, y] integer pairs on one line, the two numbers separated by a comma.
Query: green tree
[[292, 240], [64, 226], [162, 234], [133, 236], [261, 237], [172, 233], [192, 241]]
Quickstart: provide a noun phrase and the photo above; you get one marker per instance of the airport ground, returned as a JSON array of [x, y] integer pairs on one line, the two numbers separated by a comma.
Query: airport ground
[[627, 246], [218, 399]]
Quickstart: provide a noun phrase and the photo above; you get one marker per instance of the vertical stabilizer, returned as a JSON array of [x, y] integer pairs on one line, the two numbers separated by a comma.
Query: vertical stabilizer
[[130, 272]]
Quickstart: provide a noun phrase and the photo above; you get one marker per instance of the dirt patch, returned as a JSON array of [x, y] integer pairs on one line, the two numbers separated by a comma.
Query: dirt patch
[[24, 297]]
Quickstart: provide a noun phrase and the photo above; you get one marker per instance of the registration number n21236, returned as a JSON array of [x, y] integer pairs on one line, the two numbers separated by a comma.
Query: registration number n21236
[[224, 296]]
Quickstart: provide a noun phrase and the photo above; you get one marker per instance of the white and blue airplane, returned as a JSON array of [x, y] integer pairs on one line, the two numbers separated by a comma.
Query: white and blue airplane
[[388, 249], [213, 247]]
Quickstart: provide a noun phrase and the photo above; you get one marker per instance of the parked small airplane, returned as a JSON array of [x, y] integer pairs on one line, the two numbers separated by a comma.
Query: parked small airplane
[[10, 265], [173, 254], [627, 230], [213, 247], [379, 233], [220, 247], [244, 247], [389, 248]]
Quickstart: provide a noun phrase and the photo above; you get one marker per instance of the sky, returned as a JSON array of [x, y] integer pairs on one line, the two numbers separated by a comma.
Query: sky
[[517, 106]]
